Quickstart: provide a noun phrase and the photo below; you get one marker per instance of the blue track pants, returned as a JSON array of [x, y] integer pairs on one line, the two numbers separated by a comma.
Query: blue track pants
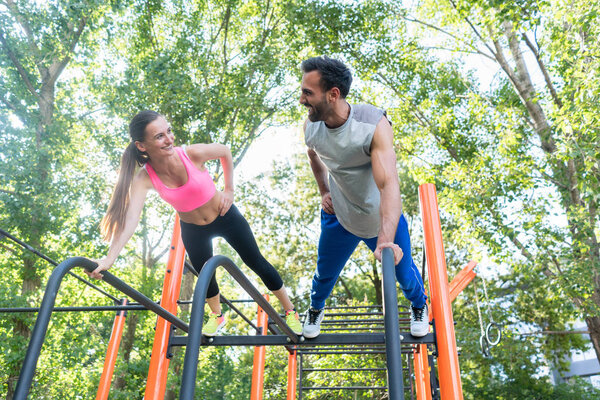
[[336, 245]]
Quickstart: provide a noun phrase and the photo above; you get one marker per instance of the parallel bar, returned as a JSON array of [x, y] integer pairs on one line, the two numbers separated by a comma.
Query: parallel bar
[[74, 309], [392, 328], [345, 387], [41, 324], [282, 340], [194, 339], [449, 371], [111, 355], [342, 369]]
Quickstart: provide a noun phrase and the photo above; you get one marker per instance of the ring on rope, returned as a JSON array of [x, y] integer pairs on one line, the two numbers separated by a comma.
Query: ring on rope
[[485, 346], [491, 329]]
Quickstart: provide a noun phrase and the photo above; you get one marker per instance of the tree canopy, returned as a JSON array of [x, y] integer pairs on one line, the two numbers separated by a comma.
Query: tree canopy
[[494, 102]]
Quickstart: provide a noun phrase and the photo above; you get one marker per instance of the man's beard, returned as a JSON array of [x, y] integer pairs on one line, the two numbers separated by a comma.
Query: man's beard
[[318, 111]]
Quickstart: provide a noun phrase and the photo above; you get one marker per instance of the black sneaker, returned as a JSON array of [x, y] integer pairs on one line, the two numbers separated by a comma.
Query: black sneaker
[[419, 321], [312, 323]]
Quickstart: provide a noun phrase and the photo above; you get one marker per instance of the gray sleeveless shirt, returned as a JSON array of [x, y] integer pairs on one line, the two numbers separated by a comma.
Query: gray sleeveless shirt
[[346, 152]]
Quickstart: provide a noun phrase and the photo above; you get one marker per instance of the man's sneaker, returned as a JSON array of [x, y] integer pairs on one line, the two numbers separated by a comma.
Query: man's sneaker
[[293, 321], [213, 325], [312, 323], [419, 321]]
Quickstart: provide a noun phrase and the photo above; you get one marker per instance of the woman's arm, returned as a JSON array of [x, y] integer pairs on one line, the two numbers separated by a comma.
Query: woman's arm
[[137, 196], [200, 153]]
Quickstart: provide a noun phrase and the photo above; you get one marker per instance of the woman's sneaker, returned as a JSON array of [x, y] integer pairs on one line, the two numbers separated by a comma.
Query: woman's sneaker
[[312, 323], [293, 321], [213, 325]]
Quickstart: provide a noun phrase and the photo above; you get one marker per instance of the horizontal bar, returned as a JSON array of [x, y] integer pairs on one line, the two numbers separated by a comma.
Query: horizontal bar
[[282, 340], [342, 352], [344, 388], [81, 308], [349, 307], [342, 369]]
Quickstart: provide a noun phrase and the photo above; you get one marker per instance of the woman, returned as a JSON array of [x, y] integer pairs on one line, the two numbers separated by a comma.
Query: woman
[[181, 179]]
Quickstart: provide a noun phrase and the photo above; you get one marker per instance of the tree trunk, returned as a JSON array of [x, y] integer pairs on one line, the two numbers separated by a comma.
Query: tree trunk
[[377, 283]]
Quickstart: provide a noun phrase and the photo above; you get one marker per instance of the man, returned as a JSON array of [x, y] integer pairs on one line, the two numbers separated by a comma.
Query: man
[[350, 148]]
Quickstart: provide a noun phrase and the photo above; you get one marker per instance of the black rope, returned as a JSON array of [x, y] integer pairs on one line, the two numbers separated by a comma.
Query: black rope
[[51, 261]]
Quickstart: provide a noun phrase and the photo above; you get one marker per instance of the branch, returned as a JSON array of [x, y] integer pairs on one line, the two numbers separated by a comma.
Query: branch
[[474, 29], [549, 84], [18, 66], [476, 50], [25, 25], [57, 67]]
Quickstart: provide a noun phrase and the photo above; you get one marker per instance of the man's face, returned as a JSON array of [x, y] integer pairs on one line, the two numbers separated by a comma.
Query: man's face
[[313, 97]]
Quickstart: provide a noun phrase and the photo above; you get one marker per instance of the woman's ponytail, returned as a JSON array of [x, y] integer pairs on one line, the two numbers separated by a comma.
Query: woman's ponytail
[[113, 222]]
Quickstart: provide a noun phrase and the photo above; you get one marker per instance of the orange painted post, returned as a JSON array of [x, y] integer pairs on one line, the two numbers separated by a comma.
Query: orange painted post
[[422, 380], [258, 369], [159, 363], [448, 368], [462, 279], [111, 354], [292, 368]]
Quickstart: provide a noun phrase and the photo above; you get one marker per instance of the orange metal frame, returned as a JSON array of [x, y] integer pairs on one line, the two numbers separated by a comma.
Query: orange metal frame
[[159, 363], [441, 305], [441, 298], [111, 354], [292, 368], [258, 370]]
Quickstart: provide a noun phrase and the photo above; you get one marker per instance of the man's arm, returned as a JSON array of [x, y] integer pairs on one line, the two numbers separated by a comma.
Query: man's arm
[[383, 160], [319, 170]]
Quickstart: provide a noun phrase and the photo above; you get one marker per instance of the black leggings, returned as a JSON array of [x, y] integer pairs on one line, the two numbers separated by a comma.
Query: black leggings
[[234, 228]]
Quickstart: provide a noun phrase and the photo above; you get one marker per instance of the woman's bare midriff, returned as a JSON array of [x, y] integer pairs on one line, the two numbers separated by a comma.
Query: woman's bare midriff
[[205, 214]]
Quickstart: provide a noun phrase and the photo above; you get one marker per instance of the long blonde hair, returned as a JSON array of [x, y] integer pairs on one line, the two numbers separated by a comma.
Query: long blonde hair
[[114, 221]]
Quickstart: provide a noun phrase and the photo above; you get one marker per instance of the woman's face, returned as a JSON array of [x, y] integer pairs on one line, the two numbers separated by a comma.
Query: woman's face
[[158, 138]]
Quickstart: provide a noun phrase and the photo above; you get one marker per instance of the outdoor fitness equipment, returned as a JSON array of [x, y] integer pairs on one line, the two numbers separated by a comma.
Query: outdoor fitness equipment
[[441, 296], [492, 333]]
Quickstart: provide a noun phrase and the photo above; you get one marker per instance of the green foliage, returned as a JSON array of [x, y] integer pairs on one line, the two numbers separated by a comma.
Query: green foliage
[[513, 193]]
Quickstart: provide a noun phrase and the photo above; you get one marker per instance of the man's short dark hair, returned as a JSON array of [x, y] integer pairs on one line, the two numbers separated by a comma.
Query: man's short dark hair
[[334, 73]]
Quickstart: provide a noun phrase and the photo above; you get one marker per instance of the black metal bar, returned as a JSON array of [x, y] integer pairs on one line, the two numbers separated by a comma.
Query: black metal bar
[[392, 328], [238, 312], [349, 307], [190, 363], [301, 378], [51, 261], [142, 299], [403, 351], [41, 324], [338, 339], [82, 308], [191, 268], [345, 387], [342, 369], [359, 321], [321, 352]]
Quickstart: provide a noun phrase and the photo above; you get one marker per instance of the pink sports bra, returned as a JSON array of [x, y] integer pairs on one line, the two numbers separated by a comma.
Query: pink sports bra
[[196, 192]]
